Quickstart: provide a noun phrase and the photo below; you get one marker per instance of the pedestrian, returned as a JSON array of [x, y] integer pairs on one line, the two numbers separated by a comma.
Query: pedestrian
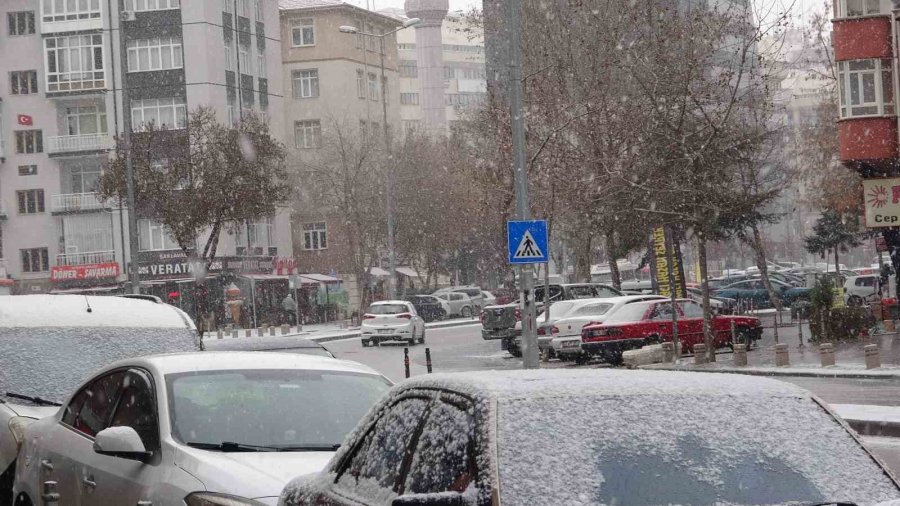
[[290, 308]]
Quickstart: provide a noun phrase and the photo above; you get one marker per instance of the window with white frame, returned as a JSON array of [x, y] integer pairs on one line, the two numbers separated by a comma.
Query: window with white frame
[[244, 60], [85, 120], [35, 260], [71, 10], [228, 6], [151, 5], [303, 33], [373, 87], [153, 236], [83, 178], [154, 54], [859, 8], [315, 236], [258, 7], [164, 113], [360, 84], [409, 69], [23, 82], [74, 62], [244, 8], [229, 55], [230, 114], [411, 125], [307, 134], [261, 67], [866, 88], [306, 83], [261, 234], [20, 23], [409, 98]]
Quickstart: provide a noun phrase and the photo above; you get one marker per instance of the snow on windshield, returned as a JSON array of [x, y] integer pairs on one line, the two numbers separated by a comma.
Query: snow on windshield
[[387, 309], [680, 449]]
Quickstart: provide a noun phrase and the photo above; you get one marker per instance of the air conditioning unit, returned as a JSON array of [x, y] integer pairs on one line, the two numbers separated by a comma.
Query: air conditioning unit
[[128, 16]]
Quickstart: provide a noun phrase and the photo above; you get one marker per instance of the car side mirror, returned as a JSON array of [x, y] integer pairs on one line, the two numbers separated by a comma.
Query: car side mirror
[[435, 499], [122, 442]]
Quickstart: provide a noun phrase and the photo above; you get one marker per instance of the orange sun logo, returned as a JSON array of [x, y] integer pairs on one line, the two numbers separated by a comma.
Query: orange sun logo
[[878, 197]]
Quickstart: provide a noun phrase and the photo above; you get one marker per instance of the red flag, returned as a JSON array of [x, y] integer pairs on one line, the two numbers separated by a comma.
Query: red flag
[[24, 119]]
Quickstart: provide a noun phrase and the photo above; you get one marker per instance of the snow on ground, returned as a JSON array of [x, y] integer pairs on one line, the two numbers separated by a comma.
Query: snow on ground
[[871, 413]]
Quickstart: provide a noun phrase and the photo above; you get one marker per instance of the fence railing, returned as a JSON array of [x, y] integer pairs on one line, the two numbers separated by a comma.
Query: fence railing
[[91, 257], [75, 143], [69, 202]]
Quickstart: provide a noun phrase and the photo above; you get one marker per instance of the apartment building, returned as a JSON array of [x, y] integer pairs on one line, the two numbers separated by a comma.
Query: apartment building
[[61, 79]]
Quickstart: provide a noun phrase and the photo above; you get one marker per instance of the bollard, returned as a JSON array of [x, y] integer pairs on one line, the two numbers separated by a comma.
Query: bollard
[[700, 354], [800, 329], [272, 330], [299, 328], [234, 333], [873, 357], [285, 329], [228, 329], [428, 359], [248, 332], [260, 332], [406, 360], [733, 333], [219, 334], [740, 355], [668, 352], [775, 329], [782, 359], [826, 350]]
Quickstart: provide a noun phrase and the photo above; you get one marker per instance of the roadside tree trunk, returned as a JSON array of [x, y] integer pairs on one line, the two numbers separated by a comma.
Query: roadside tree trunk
[[613, 264], [759, 248], [837, 262], [708, 337], [583, 259]]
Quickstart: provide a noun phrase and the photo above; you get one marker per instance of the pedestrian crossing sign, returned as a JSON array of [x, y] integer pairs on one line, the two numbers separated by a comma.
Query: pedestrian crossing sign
[[527, 242]]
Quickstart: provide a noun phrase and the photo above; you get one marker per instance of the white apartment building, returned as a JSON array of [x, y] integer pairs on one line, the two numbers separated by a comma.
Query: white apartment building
[[61, 106]]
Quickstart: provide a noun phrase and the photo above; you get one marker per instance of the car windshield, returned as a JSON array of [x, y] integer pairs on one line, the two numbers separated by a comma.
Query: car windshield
[[628, 313], [693, 449], [270, 408], [387, 309]]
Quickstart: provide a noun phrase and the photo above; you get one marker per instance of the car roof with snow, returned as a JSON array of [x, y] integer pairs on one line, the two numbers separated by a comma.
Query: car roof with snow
[[175, 363], [389, 302], [88, 311], [599, 382]]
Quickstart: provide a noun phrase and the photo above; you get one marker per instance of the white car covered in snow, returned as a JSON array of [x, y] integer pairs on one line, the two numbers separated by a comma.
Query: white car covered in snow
[[49, 344], [392, 320], [585, 437], [199, 429]]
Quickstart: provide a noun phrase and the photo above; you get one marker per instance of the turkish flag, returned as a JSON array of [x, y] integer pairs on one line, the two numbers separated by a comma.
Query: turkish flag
[[25, 119]]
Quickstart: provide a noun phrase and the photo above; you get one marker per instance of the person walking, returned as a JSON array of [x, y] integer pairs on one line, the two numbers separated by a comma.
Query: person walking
[[290, 308]]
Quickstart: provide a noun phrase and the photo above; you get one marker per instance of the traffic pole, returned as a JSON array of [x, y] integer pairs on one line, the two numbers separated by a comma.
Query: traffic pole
[[428, 360], [530, 357], [406, 360]]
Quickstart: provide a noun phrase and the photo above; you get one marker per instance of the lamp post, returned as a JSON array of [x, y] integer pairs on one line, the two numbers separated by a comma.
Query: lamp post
[[392, 258]]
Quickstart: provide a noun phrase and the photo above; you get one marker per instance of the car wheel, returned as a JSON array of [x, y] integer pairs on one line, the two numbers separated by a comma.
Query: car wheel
[[582, 359], [466, 312], [422, 336], [366, 343], [855, 301], [411, 341], [614, 359], [6, 486], [22, 500]]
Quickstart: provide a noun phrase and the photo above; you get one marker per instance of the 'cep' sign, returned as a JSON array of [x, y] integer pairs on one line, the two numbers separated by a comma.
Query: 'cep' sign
[[882, 200]]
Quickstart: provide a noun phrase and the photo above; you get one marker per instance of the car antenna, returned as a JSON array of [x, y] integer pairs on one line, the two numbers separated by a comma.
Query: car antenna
[[88, 302]]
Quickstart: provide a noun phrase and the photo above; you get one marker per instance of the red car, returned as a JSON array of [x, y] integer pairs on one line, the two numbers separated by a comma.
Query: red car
[[642, 323]]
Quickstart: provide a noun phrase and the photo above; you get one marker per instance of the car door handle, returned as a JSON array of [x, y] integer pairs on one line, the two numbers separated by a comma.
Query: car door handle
[[47, 465], [89, 482]]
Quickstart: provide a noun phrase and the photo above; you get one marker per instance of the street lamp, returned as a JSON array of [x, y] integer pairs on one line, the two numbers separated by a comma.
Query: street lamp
[[392, 258]]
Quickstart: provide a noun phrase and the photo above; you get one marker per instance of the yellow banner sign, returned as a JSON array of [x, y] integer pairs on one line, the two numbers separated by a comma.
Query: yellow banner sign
[[882, 198], [662, 266]]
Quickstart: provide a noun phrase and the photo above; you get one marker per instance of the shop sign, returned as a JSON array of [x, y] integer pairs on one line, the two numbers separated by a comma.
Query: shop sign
[[63, 273], [882, 201], [156, 265], [285, 265]]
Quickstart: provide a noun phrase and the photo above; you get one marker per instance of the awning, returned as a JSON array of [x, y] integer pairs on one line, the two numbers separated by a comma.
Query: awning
[[320, 278], [378, 271], [406, 271], [93, 289], [264, 277]]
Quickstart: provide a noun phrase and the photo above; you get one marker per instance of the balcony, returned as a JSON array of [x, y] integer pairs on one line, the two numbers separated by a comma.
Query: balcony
[[76, 202], [70, 144], [92, 257], [58, 17]]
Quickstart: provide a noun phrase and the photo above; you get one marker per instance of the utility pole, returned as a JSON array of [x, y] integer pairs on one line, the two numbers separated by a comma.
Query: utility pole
[[392, 257], [133, 275], [517, 120]]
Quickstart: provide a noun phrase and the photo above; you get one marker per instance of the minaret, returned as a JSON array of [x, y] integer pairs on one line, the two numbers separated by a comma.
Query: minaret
[[429, 53]]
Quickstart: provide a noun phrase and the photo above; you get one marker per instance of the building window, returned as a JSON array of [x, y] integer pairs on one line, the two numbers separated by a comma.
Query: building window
[[866, 88], [165, 113], [308, 134], [409, 98], [231, 116], [153, 236], [306, 83], [20, 23], [315, 236], [409, 69], [360, 84], [261, 235], [83, 179], [23, 82], [74, 63], [373, 87], [303, 33], [27, 170], [244, 60], [35, 260], [154, 54], [411, 125], [151, 5], [258, 7], [85, 120], [261, 66], [228, 6], [406, 47], [52, 11], [229, 55], [30, 201], [244, 8], [858, 8], [29, 141]]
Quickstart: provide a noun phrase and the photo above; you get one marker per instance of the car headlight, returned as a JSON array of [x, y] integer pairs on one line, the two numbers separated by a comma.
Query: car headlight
[[17, 425], [214, 499]]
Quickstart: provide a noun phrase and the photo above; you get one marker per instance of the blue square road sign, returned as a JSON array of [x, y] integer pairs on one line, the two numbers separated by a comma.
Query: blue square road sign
[[527, 242]]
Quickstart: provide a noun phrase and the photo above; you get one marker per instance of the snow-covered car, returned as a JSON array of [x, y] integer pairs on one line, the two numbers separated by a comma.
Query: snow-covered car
[[459, 304], [200, 429], [859, 290], [49, 344], [563, 437], [290, 344], [488, 299], [392, 320]]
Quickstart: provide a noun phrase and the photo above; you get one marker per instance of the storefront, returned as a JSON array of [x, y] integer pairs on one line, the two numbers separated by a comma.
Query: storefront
[[320, 298], [98, 278]]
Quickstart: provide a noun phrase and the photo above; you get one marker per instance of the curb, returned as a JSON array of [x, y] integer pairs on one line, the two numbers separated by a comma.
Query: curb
[[775, 372], [874, 427]]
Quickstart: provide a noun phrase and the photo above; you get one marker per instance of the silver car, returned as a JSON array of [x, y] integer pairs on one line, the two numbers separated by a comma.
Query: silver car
[[200, 429]]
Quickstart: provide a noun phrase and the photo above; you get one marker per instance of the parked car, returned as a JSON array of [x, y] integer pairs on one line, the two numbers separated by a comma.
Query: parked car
[[754, 291], [488, 299], [859, 290], [643, 323], [49, 344], [544, 321], [473, 292], [392, 320], [216, 428], [429, 307], [597, 437], [719, 305], [290, 344], [460, 304], [716, 283], [499, 322]]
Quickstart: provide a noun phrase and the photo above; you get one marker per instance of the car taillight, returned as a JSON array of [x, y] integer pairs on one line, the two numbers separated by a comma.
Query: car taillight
[[405, 316], [554, 330], [594, 334], [518, 314], [482, 317], [541, 331], [368, 316]]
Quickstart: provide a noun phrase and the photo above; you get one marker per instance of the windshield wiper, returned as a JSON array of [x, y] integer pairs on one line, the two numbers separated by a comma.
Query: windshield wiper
[[36, 400], [833, 503], [229, 446]]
